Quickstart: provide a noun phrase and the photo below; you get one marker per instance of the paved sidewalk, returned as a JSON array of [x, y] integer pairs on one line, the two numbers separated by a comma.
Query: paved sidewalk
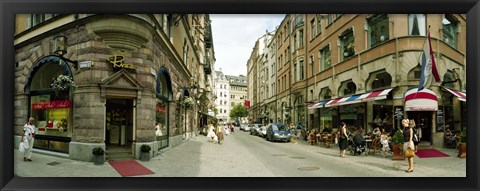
[[199, 158]]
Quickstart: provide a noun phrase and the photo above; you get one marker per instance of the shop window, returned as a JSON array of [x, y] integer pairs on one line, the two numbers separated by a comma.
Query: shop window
[[378, 29], [50, 109], [417, 25], [450, 29], [347, 44], [161, 119], [381, 117], [325, 59]]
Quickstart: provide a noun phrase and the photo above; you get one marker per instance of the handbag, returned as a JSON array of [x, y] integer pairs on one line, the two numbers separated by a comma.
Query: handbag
[[21, 147], [409, 153]]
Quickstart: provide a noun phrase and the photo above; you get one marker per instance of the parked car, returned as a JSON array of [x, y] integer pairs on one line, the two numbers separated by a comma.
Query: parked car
[[262, 131], [278, 132], [244, 127], [254, 128]]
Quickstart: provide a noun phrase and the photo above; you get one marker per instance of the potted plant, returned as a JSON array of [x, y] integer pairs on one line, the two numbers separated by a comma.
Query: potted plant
[[188, 102], [397, 141], [98, 155], [145, 152], [462, 146], [62, 84]]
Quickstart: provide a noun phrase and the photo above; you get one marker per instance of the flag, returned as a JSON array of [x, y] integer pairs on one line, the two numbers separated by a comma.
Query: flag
[[428, 65]]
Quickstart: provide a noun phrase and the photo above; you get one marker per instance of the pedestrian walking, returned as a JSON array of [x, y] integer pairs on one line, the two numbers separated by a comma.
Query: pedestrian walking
[[343, 139], [408, 142], [28, 136], [413, 127], [220, 134], [211, 133]]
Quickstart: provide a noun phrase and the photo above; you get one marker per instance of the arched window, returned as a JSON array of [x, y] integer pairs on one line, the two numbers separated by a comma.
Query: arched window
[[448, 80], [379, 80], [347, 88], [325, 94], [51, 109], [415, 73]]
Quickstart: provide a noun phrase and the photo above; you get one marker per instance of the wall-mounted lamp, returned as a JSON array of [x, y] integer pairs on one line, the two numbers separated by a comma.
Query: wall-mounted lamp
[[60, 49], [59, 46]]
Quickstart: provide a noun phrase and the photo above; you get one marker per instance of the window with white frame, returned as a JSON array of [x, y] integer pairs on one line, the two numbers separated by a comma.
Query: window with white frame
[[417, 25], [378, 30]]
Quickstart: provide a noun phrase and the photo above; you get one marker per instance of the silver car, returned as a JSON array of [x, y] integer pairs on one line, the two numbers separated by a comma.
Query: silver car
[[262, 131], [254, 129]]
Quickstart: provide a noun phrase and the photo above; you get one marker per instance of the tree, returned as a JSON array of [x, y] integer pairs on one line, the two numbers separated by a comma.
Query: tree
[[238, 111]]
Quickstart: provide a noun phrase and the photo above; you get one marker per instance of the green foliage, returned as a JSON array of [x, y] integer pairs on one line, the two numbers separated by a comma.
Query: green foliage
[[238, 111], [397, 138], [145, 148], [463, 136], [98, 151]]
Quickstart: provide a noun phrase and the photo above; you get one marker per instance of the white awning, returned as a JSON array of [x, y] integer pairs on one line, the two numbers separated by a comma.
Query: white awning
[[423, 100]]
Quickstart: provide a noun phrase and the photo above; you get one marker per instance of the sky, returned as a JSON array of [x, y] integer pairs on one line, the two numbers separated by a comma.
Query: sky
[[234, 37]]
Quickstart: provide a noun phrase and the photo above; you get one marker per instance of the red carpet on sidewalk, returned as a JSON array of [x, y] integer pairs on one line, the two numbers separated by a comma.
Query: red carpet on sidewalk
[[129, 168], [430, 153]]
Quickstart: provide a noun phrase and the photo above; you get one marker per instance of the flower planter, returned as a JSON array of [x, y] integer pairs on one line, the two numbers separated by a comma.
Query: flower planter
[[145, 156], [397, 153], [462, 150], [98, 159]]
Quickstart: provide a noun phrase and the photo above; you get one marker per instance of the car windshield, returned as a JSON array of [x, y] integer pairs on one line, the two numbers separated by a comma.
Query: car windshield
[[280, 127]]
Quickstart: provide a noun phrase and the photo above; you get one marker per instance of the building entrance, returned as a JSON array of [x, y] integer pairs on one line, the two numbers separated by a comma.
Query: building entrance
[[423, 120], [119, 123]]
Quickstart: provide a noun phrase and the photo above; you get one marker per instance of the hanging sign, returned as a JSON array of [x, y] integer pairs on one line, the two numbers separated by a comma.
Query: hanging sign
[[118, 62], [51, 104]]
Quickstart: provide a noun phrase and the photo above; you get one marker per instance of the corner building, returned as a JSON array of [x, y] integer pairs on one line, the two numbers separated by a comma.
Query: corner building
[[131, 73], [361, 68]]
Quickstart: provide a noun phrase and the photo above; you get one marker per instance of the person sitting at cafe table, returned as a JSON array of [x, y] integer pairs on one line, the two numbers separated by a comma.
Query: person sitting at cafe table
[[450, 137]]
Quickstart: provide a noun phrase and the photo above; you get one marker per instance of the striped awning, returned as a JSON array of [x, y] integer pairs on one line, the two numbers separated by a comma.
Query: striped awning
[[460, 95], [375, 95], [423, 100]]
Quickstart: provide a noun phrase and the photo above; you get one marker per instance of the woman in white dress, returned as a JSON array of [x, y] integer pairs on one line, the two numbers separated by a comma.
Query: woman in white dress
[[211, 133]]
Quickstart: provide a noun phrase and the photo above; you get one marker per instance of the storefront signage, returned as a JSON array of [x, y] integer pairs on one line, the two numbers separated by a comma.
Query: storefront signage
[[118, 62], [51, 104]]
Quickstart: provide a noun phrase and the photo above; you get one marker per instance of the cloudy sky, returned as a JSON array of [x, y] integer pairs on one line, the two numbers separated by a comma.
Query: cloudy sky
[[234, 37]]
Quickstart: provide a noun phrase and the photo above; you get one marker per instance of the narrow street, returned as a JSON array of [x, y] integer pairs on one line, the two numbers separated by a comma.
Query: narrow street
[[244, 155]]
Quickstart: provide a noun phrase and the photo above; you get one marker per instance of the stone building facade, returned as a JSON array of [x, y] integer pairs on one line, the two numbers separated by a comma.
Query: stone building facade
[[132, 75]]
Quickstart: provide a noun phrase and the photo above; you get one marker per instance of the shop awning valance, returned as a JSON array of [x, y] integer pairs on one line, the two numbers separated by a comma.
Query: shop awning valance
[[460, 95], [375, 95], [423, 100]]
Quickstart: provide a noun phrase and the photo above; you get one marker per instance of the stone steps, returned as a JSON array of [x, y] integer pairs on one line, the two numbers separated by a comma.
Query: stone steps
[[118, 154]]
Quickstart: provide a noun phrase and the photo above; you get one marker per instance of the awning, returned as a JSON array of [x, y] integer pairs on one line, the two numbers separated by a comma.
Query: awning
[[375, 95], [317, 105], [460, 95], [423, 100]]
